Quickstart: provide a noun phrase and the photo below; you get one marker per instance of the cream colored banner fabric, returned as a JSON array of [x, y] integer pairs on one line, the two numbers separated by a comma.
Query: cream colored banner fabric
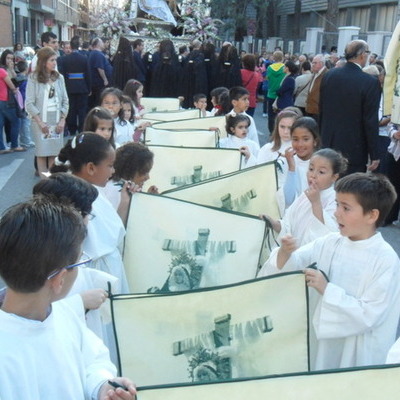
[[172, 245], [360, 384], [251, 191], [238, 331], [181, 137], [151, 104], [198, 123], [178, 166], [172, 115]]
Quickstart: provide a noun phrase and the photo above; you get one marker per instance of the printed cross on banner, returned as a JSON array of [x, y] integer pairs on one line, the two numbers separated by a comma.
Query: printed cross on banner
[[238, 204], [197, 176], [222, 335], [201, 246]]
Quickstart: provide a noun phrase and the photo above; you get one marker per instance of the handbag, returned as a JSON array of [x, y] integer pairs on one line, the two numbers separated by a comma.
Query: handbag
[[275, 105], [14, 102]]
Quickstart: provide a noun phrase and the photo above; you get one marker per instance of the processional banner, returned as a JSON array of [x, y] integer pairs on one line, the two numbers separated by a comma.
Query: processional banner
[[237, 331], [378, 382], [173, 245], [176, 167]]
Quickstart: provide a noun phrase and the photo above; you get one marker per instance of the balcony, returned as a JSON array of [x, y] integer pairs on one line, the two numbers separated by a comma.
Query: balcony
[[42, 6]]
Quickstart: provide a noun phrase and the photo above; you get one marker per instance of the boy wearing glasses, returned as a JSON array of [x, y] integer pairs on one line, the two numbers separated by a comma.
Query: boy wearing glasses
[[46, 351]]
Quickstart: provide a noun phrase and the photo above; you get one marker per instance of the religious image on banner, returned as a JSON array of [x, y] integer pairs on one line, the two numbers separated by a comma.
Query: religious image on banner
[[243, 330], [250, 190], [197, 176], [172, 245], [191, 259], [184, 274], [215, 355], [177, 167], [239, 203]]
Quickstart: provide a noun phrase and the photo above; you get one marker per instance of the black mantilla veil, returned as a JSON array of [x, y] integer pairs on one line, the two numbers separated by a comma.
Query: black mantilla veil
[[166, 73], [124, 67]]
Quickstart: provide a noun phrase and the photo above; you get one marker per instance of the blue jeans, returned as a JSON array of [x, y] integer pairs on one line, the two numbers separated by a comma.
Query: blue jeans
[[25, 131], [9, 114]]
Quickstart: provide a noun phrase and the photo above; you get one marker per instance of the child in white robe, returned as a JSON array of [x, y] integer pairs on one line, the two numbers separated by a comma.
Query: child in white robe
[[100, 121], [312, 214], [357, 279], [305, 140], [91, 157], [133, 162], [112, 100], [90, 289], [236, 127], [275, 151], [46, 350], [239, 98]]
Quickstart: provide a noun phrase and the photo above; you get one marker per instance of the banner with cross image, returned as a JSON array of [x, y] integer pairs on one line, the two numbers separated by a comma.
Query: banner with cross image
[[196, 123], [173, 245], [181, 137], [178, 167], [371, 383], [236, 331], [172, 115], [250, 190]]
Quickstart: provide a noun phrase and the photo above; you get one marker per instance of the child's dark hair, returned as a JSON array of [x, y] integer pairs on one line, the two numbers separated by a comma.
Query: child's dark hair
[[237, 92], [309, 124], [69, 188], [81, 150], [38, 237], [130, 90], [224, 103], [232, 121], [21, 66], [292, 67], [128, 100], [92, 121], [118, 94], [276, 139], [216, 92], [130, 159], [199, 96], [372, 191], [338, 162]]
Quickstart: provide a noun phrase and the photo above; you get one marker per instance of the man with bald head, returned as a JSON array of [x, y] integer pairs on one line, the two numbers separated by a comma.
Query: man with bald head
[[318, 69], [349, 103]]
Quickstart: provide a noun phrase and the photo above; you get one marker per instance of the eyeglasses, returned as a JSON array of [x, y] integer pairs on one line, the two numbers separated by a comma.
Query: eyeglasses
[[89, 216], [84, 261]]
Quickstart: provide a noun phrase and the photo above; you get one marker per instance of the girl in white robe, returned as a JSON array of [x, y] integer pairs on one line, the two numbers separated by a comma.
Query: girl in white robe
[[133, 163], [237, 126], [312, 213], [305, 140], [275, 151], [91, 157]]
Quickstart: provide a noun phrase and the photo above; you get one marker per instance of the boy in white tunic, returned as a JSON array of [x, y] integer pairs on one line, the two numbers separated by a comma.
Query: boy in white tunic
[[357, 279], [46, 351]]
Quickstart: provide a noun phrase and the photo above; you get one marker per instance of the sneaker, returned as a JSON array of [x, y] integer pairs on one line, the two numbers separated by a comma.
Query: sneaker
[[18, 149], [28, 145], [5, 151]]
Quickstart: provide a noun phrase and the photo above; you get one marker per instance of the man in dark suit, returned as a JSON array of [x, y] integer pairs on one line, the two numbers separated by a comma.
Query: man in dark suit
[[138, 46], [349, 103], [75, 68]]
